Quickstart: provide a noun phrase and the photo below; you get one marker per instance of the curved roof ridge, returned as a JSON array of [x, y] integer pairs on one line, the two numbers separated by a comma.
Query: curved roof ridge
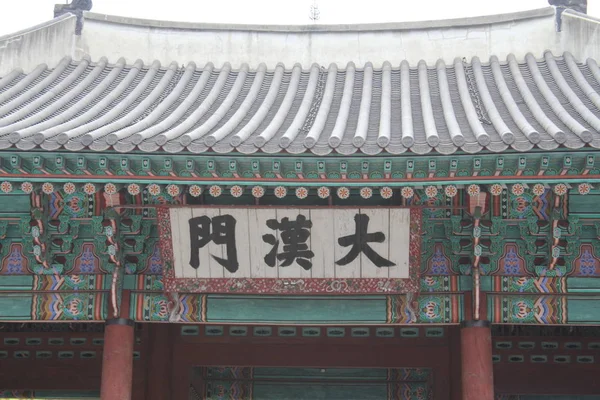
[[385, 26]]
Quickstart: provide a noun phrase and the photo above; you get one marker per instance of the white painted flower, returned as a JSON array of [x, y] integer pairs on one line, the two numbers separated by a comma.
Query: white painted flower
[[280, 192], [386, 192], [407, 192], [584, 188], [538, 189], [236, 190], [48, 188], [451, 190], [110, 189], [258, 191], [69, 188], [343, 192], [27, 187], [517, 189], [323, 192], [89, 189], [366, 192], [561, 189], [301, 193], [153, 189], [195, 190], [173, 190], [133, 189], [215, 190], [496, 189], [473, 190], [431, 191], [6, 187]]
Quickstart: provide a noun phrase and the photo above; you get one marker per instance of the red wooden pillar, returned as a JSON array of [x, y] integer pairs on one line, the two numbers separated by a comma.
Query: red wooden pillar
[[117, 360], [158, 379], [476, 361]]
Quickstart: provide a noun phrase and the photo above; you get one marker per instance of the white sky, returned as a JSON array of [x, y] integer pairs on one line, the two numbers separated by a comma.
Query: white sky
[[21, 14]]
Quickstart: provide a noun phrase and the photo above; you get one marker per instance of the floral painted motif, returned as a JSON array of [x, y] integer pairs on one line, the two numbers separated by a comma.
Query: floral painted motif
[[154, 189], [366, 193], [560, 189], [195, 190], [87, 261], [236, 190], [511, 263], [584, 188], [343, 192], [473, 190], [538, 189], [439, 263], [323, 192], [16, 262], [301, 192], [407, 192], [280, 192], [89, 189], [517, 189], [110, 188], [431, 191], [258, 191], [6, 187], [27, 187], [496, 189], [386, 192], [587, 263], [215, 190], [69, 188], [48, 188], [133, 189], [451, 190], [173, 190]]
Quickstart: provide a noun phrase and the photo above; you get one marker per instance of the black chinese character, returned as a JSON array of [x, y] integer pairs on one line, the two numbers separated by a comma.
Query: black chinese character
[[223, 232], [294, 235], [360, 243]]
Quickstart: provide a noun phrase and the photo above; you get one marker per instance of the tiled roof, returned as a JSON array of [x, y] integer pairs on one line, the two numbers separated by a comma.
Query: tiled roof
[[468, 106]]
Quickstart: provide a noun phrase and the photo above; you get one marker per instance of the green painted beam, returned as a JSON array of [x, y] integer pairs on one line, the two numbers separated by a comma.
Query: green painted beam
[[583, 285], [315, 309], [583, 310], [16, 282], [15, 307]]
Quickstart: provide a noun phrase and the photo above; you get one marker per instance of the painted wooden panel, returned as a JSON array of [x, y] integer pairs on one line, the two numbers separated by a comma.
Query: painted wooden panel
[[290, 243], [258, 247], [275, 250], [321, 233], [181, 255]]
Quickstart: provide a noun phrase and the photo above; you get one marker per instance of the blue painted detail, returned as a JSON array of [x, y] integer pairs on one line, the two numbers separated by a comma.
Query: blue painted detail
[[510, 263]]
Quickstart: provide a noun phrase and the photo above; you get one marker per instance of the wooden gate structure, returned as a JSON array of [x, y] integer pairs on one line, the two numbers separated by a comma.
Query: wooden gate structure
[[385, 211]]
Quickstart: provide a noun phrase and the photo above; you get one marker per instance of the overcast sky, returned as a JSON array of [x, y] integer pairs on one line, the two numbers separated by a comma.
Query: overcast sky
[[20, 14]]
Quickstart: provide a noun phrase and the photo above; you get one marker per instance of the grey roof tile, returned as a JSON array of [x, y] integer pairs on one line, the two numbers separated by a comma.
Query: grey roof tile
[[467, 106]]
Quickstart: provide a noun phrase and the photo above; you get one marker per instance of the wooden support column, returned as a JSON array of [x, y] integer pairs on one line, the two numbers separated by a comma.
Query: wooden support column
[[117, 360], [476, 361], [117, 356], [158, 381]]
